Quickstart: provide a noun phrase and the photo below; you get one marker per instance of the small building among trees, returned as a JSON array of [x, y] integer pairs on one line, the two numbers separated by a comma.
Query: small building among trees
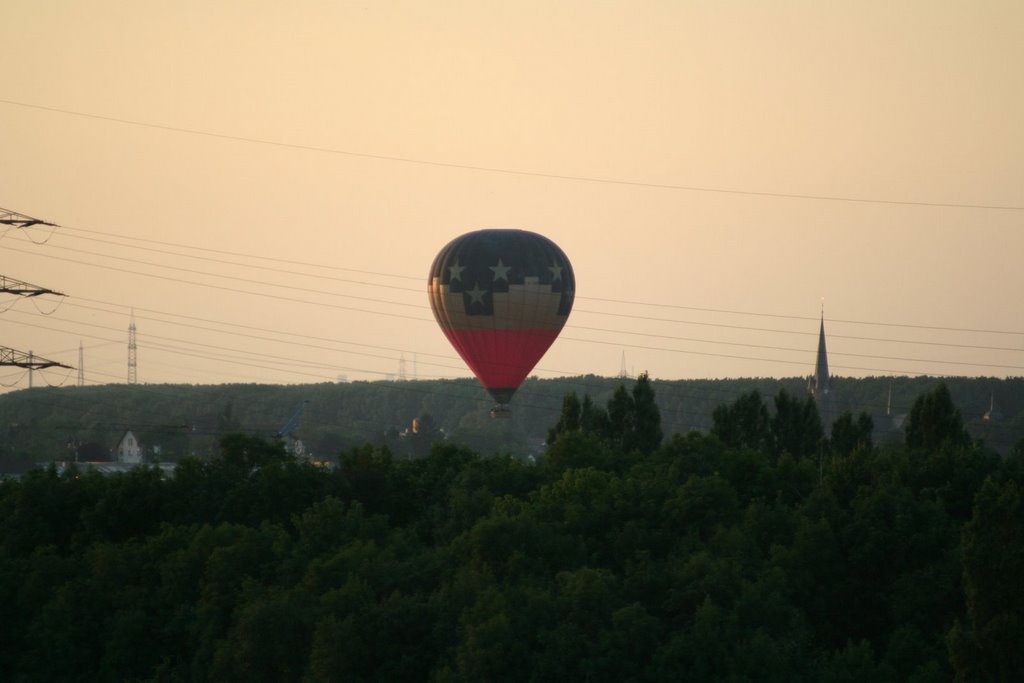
[[128, 449]]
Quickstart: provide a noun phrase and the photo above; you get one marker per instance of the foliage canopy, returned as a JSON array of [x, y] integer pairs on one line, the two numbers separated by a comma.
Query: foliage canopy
[[760, 552]]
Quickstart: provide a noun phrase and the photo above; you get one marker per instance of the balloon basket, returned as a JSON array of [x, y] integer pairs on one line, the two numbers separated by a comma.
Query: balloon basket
[[501, 411]]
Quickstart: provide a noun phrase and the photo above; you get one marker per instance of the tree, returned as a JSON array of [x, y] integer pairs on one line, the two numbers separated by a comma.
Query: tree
[[631, 423], [269, 638], [855, 662], [569, 420], [796, 427], [370, 476], [250, 452], [991, 647], [743, 423], [934, 422], [226, 421], [847, 435], [620, 419], [646, 434], [593, 418], [702, 505]]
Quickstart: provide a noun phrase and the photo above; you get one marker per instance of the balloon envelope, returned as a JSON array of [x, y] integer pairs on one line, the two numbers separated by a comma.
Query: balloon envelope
[[501, 297]]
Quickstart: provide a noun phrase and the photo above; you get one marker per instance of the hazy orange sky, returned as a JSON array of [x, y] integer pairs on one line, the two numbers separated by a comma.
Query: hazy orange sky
[[267, 183]]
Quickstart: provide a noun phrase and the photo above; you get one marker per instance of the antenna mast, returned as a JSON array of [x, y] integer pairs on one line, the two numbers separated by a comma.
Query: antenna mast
[[623, 371], [132, 359]]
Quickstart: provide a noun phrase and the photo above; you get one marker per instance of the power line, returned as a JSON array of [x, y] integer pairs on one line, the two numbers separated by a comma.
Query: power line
[[612, 331], [786, 317], [249, 265], [799, 350], [642, 334], [805, 333], [508, 171], [236, 253], [754, 358], [220, 358], [577, 327], [292, 362], [231, 289], [235, 278], [253, 328], [575, 310]]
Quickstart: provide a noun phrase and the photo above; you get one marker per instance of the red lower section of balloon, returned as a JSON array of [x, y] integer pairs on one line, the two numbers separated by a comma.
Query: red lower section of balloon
[[501, 359]]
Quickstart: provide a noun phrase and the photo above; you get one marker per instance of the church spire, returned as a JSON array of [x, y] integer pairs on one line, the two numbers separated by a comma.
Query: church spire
[[820, 383]]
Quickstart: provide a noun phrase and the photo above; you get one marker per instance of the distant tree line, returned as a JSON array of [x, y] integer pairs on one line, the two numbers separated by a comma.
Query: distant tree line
[[764, 549], [48, 424]]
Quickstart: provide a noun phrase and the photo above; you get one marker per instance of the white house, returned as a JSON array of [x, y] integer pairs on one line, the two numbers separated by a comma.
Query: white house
[[128, 449]]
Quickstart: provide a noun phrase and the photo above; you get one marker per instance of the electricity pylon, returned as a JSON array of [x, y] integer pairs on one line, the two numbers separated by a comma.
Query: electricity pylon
[[9, 285], [20, 359], [20, 220], [12, 357]]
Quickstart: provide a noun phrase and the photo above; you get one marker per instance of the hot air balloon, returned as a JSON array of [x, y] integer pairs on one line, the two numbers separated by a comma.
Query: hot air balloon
[[501, 296]]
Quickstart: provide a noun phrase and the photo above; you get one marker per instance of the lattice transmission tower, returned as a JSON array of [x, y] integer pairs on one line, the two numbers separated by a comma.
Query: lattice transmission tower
[[132, 352], [12, 357]]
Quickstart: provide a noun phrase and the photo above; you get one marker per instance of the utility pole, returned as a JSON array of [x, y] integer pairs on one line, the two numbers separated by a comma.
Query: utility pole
[[81, 365]]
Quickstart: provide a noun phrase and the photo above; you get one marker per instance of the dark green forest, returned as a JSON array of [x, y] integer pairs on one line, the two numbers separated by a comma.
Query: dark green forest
[[763, 547], [174, 421]]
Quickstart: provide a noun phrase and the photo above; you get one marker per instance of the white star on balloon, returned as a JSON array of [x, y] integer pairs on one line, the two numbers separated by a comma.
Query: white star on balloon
[[455, 272], [476, 295], [501, 271], [556, 271]]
